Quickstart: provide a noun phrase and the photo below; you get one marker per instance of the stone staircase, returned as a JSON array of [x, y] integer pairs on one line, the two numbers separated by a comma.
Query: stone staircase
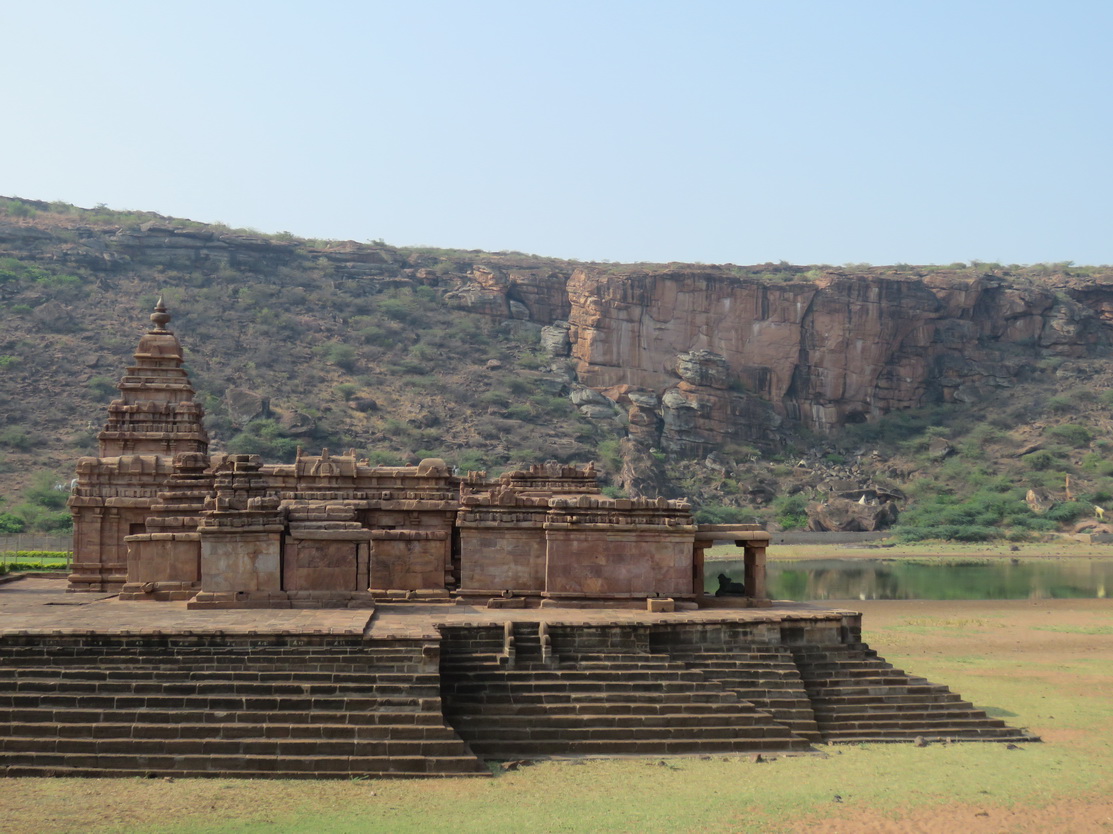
[[508, 702], [763, 675], [859, 697], [191, 706]]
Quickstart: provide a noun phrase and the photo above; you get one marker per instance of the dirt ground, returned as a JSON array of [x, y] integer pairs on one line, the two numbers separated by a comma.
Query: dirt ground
[[1044, 639]]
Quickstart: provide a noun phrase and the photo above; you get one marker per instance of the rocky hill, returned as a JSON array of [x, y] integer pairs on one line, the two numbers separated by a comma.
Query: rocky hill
[[835, 397]]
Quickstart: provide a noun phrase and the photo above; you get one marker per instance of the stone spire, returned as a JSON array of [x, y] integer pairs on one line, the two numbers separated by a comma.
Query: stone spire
[[156, 413]]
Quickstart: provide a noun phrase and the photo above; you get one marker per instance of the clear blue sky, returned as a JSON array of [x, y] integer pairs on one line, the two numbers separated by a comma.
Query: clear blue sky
[[815, 132]]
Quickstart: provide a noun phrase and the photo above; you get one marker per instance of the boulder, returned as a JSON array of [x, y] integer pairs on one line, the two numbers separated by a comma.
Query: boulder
[[845, 516], [243, 406], [554, 339]]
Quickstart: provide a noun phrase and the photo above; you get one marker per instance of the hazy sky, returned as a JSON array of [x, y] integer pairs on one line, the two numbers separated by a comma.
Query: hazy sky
[[813, 132]]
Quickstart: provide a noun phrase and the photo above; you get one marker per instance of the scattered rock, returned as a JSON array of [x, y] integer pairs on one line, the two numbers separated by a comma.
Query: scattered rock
[[1039, 500], [244, 406], [940, 448], [554, 339]]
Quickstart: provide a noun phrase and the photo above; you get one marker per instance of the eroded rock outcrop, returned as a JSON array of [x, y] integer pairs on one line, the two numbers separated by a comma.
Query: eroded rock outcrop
[[700, 357]]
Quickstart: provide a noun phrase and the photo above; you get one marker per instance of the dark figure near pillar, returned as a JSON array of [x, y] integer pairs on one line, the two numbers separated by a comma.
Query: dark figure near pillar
[[727, 588]]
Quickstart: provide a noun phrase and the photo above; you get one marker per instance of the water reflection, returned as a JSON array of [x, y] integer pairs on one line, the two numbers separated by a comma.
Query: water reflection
[[820, 579]]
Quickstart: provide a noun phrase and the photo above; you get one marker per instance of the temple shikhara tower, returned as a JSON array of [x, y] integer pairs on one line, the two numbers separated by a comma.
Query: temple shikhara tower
[[154, 421], [156, 517]]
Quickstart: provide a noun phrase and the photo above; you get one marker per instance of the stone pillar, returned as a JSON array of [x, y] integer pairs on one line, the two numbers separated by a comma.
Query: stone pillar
[[698, 580], [754, 555]]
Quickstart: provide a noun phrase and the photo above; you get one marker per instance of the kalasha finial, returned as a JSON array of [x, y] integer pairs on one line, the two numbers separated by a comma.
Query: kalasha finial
[[160, 317]]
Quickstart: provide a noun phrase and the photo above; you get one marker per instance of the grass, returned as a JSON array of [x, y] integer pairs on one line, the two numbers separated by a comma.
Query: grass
[[15, 561]]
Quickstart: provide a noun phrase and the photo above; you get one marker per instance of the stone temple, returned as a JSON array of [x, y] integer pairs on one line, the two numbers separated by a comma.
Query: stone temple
[[329, 618]]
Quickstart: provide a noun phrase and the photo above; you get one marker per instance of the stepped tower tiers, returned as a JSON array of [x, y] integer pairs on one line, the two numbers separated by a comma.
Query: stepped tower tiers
[[154, 419]]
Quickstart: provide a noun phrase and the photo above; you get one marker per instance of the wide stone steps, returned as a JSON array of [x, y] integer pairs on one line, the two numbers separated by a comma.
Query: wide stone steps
[[766, 678], [233, 710], [857, 696], [600, 703]]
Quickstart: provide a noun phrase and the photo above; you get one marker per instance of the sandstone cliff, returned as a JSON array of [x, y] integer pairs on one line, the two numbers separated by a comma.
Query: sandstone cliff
[[700, 357]]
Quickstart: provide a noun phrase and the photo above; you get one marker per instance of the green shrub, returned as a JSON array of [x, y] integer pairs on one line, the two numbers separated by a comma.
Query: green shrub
[[381, 457], [1039, 461], [1068, 511], [264, 437], [1060, 404], [16, 438], [340, 355], [791, 511], [610, 454], [11, 523], [950, 532], [723, 514], [1071, 433], [103, 387]]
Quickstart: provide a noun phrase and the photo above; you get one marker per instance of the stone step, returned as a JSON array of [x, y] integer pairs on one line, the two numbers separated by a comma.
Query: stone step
[[598, 696], [214, 702], [202, 688], [911, 723], [227, 730], [591, 721], [730, 661], [467, 689], [933, 736], [937, 733], [640, 747], [601, 707], [415, 715], [588, 721], [860, 697], [586, 659], [239, 766], [539, 679], [11, 674], [56, 654], [494, 733], [873, 706], [246, 747], [836, 686]]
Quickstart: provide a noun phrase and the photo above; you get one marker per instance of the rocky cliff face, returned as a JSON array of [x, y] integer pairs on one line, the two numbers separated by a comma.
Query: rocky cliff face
[[698, 358]]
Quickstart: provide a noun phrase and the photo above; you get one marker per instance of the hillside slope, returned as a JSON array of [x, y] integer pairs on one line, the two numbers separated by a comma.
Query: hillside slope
[[790, 394]]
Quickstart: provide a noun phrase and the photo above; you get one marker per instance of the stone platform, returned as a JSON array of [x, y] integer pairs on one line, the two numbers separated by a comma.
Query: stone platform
[[102, 687]]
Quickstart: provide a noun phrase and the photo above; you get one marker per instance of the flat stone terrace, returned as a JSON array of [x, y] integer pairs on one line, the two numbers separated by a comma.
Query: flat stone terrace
[[41, 605]]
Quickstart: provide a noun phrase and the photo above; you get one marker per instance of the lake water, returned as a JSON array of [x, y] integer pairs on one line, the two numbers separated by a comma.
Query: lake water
[[821, 579]]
